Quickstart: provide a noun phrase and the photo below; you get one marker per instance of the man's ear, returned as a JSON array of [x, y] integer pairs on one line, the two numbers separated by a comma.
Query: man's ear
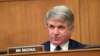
[[72, 28]]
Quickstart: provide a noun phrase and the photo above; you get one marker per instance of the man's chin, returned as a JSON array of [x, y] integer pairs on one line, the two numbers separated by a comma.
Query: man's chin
[[56, 42]]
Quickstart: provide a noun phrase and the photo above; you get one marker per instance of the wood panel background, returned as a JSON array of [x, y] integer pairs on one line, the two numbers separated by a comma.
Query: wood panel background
[[22, 21]]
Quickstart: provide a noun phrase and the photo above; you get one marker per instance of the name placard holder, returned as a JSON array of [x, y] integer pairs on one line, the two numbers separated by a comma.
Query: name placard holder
[[25, 49]]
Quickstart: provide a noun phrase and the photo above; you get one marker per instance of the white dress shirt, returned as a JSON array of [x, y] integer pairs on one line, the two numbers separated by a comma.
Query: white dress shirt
[[63, 46]]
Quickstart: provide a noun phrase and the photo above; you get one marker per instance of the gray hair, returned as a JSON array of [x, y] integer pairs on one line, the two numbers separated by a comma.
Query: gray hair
[[60, 13]]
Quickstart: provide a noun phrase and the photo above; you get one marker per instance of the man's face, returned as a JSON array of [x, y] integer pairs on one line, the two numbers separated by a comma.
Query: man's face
[[59, 32]]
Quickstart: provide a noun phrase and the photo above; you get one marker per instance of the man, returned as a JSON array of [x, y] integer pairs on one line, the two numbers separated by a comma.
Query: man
[[60, 25]]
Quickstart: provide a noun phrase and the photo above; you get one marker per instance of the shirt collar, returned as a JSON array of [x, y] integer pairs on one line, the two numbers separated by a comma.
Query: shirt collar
[[63, 46]]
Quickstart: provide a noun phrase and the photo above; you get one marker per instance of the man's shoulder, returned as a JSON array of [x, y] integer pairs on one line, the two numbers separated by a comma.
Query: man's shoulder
[[46, 45], [73, 44]]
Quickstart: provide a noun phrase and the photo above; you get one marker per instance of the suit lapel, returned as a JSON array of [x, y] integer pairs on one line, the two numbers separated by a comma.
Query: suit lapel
[[71, 44], [47, 46]]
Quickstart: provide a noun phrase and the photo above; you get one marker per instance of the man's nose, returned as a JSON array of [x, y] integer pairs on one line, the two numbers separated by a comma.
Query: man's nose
[[56, 32]]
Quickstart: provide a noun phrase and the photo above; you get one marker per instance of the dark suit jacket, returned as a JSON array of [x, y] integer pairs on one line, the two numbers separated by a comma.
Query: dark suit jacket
[[72, 45]]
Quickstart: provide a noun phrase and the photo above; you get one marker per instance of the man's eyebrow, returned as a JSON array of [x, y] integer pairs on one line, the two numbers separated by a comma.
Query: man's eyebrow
[[50, 25], [60, 26]]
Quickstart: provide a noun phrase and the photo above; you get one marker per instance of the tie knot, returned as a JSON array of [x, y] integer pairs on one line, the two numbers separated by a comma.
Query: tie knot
[[58, 48]]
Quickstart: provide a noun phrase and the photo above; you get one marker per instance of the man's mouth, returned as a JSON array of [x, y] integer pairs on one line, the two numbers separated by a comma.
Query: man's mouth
[[56, 39]]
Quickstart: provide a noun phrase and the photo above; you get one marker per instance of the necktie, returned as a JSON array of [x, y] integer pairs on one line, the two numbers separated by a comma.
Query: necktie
[[58, 48]]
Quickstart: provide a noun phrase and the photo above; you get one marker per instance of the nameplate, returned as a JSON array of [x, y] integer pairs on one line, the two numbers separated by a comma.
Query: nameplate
[[25, 49]]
